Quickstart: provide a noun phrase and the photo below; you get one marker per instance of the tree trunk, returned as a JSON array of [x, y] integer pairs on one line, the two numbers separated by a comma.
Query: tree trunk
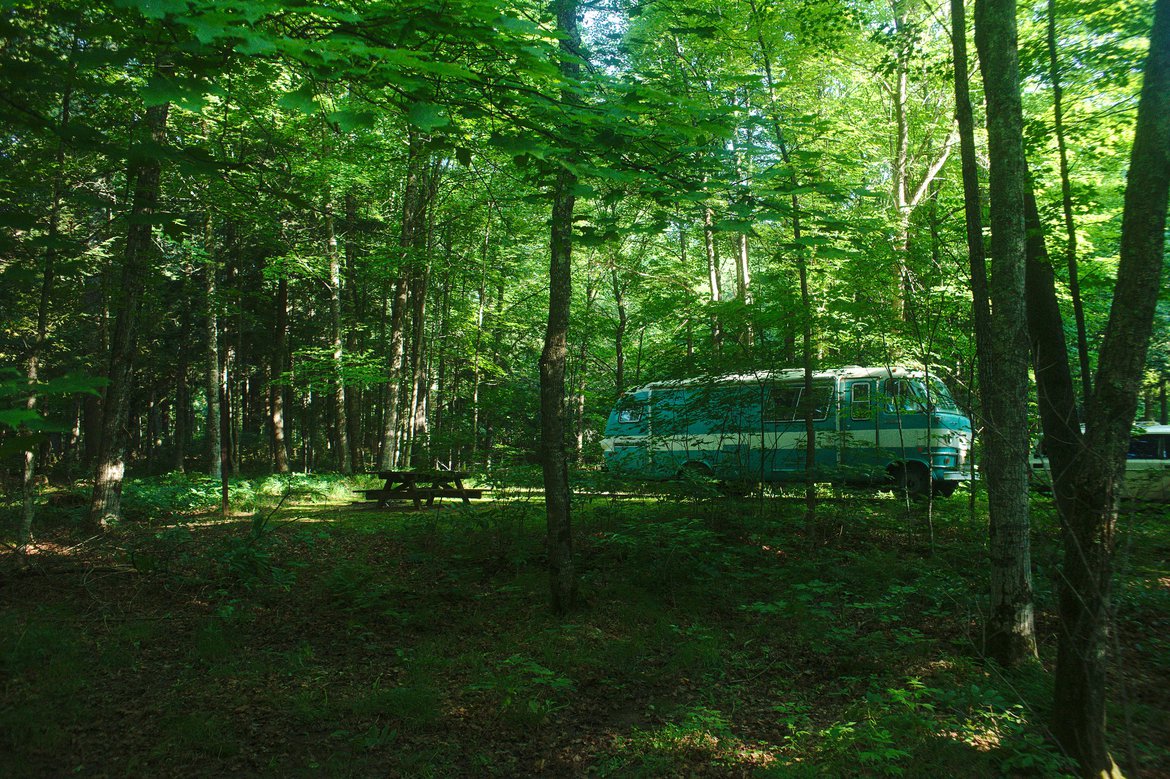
[[212, 366], [353, 395], [480, 308], [413, 241], [280, 453], [582, 360], [971, 199], [1079, 710], [810, 451], [619, 336], [902, 205], [712, 273], [106, 504], [554, 463], [341, 436], [1010, 630], [419, 283], [1074, 284], [48, 276]]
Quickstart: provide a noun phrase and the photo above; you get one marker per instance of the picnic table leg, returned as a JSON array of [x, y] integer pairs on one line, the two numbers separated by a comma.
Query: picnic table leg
[[462, 492], [412, 488]]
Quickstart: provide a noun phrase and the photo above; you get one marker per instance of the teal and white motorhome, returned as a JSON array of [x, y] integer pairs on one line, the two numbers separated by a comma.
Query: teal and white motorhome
[[872, 425]]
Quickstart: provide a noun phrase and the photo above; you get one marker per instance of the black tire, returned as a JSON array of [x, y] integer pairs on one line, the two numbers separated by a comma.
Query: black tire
[[696, 471], [697, 480], [912, 478]]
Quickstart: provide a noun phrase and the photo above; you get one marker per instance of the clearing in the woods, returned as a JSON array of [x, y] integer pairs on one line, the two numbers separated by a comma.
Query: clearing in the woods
[[718, 638]]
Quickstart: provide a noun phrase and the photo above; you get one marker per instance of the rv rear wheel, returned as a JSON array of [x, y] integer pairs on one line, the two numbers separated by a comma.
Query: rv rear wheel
[[696, 471]]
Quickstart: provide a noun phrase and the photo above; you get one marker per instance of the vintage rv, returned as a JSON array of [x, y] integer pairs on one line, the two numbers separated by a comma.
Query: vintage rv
[[1147, 465], [872, 425]]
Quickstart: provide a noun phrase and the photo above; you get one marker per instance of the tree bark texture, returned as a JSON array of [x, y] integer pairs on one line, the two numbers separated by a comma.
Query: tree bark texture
[[1010, 631], [105, 505], [1080, 692], [553, 459]]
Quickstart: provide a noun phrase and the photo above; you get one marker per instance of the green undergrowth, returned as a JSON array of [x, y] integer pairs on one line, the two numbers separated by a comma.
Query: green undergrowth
[[180, 497], [716, 637]]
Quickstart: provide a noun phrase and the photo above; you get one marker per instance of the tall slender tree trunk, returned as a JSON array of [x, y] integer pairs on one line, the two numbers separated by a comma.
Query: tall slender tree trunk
[[341, 436], [1070, 227], [810, 450], [182, 402], [582, 360], [182, 393], [1085, 586], [280, 454], [619, 336], [480, 308], [233, 358], [353, 395], [554, 462], [1164, 413], [212, 364], [48, 276], [106, 503], [901, 164], [712, 273], [413, 240], [1010, 629], [420, 281], [981, 309]]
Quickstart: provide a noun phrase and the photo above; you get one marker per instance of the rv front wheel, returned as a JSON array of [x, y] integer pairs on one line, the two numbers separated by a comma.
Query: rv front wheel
[[912, 478], [945, 489]]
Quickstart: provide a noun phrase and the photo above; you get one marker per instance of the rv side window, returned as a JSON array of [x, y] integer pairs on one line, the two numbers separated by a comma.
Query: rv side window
[[785, 400], [787, 405], [904, 395], [630, 411], [822, 401], [859, 401], [1143, 448]]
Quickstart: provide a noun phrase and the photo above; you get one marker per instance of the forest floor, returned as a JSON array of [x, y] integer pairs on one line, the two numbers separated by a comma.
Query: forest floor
[[717, 637]]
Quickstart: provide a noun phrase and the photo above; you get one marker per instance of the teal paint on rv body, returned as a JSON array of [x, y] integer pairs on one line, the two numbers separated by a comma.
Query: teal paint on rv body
[[870, 424]]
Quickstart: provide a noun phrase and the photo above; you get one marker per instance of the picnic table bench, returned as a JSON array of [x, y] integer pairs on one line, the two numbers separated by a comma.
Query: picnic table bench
[[420, 485]]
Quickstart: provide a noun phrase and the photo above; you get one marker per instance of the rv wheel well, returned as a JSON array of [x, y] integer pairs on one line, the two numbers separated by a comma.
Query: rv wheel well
[[911, 476]]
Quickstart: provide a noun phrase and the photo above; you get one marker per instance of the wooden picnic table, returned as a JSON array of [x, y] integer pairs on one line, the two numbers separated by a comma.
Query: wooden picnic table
[[417, 485]]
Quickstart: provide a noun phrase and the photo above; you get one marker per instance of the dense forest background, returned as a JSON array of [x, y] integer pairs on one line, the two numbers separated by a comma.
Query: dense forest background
[[243, 238], [348, 237]]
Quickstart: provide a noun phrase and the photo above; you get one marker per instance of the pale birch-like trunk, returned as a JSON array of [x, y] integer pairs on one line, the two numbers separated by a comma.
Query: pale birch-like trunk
[[341, 435]]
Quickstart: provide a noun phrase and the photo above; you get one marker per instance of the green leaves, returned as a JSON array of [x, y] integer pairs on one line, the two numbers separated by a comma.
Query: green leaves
[[427, 116], [189, 93]]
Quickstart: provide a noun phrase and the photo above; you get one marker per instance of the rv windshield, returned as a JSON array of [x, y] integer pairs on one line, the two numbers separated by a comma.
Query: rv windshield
[[919, 395], [940, 396]]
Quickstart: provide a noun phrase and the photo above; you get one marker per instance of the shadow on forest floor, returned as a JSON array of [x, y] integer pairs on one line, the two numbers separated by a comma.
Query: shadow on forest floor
[[715, 639]]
